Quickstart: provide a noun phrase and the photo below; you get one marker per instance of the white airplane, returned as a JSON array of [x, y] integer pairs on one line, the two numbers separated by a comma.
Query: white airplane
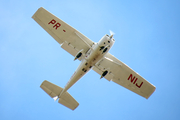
[[92, 56]]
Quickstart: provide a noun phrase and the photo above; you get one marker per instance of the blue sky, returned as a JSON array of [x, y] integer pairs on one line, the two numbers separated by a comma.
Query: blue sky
[[147, 40]]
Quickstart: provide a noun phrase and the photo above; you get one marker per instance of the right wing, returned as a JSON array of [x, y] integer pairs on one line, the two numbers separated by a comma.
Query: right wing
[[121, 74], [69, 38]]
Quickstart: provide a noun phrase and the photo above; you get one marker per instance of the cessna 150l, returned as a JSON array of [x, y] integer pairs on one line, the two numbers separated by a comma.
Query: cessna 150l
[[92, 56]]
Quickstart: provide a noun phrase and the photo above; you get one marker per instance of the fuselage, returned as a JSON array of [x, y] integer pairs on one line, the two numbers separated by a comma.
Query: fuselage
[[90, 58]]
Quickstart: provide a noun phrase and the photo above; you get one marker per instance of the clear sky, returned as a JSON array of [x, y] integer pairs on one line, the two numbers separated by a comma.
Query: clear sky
[[147, 40]]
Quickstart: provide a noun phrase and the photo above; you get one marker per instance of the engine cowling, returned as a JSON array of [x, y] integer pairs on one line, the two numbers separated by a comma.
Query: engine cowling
[[78, 55]]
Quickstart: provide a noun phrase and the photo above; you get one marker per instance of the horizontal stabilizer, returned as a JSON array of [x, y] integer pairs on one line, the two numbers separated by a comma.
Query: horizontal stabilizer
[[53, 91]]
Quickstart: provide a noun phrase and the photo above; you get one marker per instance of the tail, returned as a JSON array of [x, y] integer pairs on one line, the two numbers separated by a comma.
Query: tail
[[53, 91]]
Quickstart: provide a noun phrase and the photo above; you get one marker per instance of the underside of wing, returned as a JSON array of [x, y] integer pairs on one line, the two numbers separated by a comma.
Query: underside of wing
[[121, 74], [69, 38]]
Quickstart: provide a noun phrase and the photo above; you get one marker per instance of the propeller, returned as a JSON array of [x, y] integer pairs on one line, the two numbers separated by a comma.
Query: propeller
[[111, 34]]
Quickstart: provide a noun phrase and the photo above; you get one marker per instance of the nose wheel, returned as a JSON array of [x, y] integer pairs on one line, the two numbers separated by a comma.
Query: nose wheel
[[105, 49], [102, 47]]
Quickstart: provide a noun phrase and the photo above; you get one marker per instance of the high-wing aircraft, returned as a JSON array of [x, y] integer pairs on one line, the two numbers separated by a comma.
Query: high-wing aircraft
[[92, 56]]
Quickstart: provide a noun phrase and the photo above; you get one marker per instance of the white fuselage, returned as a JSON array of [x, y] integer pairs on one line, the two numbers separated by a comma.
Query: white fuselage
[[92, 56]]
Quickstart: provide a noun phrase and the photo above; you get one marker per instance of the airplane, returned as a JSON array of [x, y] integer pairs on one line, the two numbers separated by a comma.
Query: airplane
[[92, 55]]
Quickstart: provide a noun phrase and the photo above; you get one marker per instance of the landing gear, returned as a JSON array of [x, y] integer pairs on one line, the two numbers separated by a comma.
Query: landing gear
[[78, 55], [102, 47], [105, 49], [104, 74]]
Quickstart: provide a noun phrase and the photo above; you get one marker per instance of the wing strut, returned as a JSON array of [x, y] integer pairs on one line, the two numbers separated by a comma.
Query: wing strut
[[113, 61], [84, 41]]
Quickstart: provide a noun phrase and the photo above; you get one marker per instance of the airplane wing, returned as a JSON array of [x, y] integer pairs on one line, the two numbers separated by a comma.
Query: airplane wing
[[121, 74], [69, 38]]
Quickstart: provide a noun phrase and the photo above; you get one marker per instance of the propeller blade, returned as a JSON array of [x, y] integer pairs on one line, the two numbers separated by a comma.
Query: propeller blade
[[111, 33]]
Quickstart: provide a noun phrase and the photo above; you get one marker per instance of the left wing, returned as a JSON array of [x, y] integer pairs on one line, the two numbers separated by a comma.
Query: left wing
[[69, 38], [121, 74]]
